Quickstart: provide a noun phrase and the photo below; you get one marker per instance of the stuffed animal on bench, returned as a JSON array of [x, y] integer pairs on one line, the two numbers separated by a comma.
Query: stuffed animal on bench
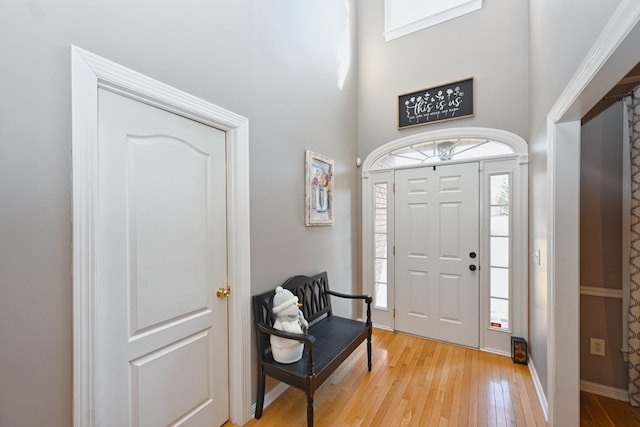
[[289, 318]]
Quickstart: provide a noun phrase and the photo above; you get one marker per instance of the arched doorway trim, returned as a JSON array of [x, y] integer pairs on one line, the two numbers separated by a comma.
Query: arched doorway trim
[[517, 143]]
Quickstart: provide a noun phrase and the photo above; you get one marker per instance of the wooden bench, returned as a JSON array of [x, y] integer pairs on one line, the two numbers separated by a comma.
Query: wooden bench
[[331, 339]]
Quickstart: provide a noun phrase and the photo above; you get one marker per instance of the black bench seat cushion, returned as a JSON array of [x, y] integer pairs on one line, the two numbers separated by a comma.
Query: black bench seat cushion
[[333, 334]]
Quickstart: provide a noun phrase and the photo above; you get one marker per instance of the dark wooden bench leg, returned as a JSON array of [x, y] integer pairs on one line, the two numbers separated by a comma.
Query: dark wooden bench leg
[[309, 411], [369, 350], [260, 396]]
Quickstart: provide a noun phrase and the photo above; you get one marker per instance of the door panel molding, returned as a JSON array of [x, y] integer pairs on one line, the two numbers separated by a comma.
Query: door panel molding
[[88, 73], [432, 244]]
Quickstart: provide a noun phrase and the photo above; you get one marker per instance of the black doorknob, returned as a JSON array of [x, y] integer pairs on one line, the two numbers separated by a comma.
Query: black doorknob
[[472, 267], [472, 254]]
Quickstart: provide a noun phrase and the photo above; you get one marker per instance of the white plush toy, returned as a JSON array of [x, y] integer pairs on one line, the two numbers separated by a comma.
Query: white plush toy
[[289, 318]]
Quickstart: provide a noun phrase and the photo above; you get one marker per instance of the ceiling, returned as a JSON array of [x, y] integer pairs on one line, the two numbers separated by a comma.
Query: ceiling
[[622, 89]]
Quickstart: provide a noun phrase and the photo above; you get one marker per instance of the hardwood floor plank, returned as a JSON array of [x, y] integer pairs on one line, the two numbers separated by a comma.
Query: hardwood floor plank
[[427, 373], [415, 382], [470, 404], [456, 401], [531, 394], [599, 411], [432, 378], [482, 388]]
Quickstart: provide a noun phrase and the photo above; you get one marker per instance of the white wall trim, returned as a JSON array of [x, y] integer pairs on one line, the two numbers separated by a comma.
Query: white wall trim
[[563, 267], [542, 399], [89, 72], [593, 78], [604, 390], [601, 292], [383, 327], [495, 351], [613, 34]]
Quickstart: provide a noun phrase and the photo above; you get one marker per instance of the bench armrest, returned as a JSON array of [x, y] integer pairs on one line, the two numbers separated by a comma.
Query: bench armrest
[[309, 342], [367, 298], [306, 339]]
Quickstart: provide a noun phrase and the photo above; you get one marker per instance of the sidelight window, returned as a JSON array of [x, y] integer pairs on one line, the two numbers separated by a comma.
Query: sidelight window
[[500, 253], [381, 242]]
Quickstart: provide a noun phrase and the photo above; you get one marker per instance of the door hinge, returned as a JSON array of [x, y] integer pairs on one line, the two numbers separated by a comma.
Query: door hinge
[[394, 313], [394, 187], [394, 250]]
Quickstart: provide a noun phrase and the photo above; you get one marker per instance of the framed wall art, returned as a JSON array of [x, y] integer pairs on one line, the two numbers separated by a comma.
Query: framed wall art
[[447, 102], [318, 190]]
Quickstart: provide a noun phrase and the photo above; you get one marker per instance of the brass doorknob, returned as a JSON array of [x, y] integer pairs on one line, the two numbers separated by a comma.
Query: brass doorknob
[[224, 292]]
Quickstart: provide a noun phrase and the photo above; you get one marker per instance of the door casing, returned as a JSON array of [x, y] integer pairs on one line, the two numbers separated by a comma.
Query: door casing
[[490, 340], [89, 72]]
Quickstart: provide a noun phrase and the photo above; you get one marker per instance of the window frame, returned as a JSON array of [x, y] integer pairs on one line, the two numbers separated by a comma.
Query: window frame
[[398, 27]]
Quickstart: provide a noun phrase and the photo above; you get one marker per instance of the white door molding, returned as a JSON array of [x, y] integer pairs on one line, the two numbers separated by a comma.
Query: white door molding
[[613, 54], [490, 340], [89, 72]]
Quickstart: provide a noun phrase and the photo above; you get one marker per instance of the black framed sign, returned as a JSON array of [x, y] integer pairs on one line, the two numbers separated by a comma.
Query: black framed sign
[[447, 102]]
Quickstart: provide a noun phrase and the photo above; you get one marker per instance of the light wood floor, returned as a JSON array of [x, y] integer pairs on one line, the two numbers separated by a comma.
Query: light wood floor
[[415, 382], [598, 411]]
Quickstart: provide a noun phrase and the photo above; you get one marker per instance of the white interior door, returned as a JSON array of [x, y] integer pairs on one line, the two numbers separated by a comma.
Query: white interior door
[[161, 332], [437, 240]]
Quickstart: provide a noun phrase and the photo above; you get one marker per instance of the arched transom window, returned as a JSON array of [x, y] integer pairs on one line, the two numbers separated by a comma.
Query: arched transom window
[[442, 150]]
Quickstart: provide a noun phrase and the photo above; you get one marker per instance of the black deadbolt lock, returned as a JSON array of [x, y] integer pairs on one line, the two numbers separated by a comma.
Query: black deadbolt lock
[[472, 254], [472, 267]]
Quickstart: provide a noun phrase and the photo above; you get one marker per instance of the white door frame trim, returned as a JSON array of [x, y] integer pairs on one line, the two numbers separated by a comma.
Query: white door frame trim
[[520, 298], [89, 72], [611, 56]]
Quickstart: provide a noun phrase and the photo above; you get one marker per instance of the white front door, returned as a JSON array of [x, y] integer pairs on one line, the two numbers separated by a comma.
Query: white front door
[[161, 332], [436, 243]]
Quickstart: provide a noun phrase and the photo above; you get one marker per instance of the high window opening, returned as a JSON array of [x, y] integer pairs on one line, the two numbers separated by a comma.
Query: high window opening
[[404, 17]]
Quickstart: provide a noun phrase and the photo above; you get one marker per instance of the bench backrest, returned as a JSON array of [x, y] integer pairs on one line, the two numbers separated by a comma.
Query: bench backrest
[[311, 293]]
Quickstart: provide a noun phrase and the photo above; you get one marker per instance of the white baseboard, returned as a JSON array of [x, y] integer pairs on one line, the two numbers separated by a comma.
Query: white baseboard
[[539, 391], [495, 351], [270, 396], [383, 327], [604, 390], [597, 291]]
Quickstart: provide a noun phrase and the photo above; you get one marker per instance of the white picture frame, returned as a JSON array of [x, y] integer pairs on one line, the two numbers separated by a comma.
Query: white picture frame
[[319, 186]]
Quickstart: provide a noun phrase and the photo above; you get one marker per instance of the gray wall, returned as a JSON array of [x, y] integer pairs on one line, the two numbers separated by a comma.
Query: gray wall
[[273, 62], [277, 64], [489, 45], [601, 246], [560, 34]]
